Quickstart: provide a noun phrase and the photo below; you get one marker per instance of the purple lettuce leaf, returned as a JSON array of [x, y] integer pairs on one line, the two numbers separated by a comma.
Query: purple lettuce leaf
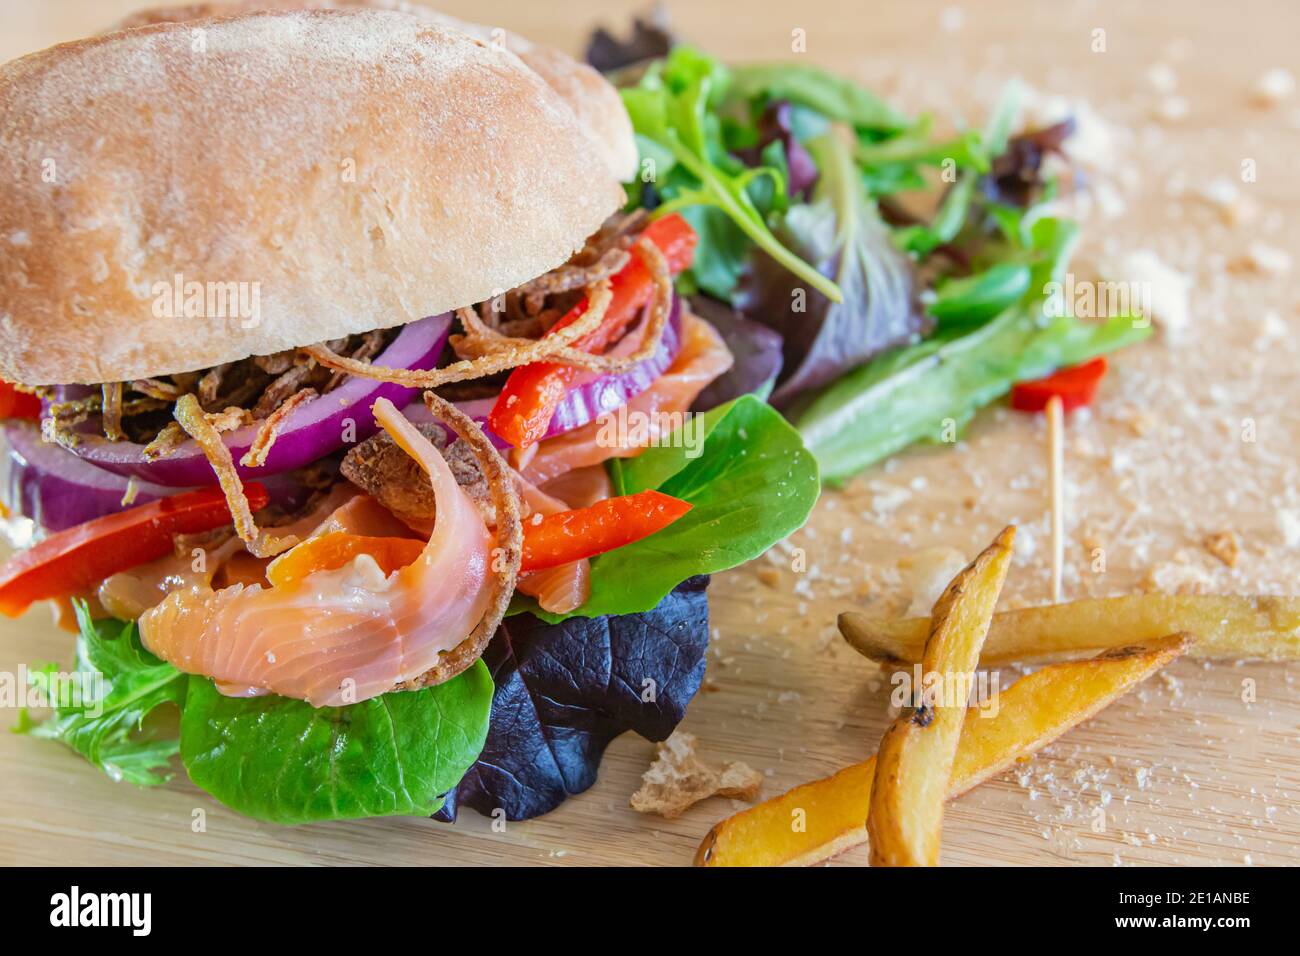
[[842, 233], [1016, 176], [776, 123], [564, 691], [650, 38], [755, 347]]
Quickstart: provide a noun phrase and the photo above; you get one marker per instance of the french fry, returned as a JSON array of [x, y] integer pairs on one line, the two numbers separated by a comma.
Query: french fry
[[816, 821], [914, 761], [1243, 627]]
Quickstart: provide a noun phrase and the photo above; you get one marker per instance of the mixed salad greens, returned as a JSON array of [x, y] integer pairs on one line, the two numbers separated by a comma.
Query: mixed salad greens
[[895, 326]]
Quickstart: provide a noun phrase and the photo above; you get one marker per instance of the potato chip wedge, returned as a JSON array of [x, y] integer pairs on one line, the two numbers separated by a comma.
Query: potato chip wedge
[[915, 757], [816, 821], [1226, 627]]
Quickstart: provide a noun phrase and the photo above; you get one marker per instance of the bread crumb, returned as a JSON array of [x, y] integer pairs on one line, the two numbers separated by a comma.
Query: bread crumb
[[771, 577], [1170, 577], [1273, 87], [952, 19], [1172, 109], [1139, 421], [926, 574], [887, 498], [1223, 195], [1167, 289], [1162, 77], [1288, 520], [1263, 259], [679, 779], [1224, 546]]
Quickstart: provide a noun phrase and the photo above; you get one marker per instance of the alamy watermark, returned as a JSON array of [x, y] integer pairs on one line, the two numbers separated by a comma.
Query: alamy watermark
[[927, 690], [632, 428], [46, 687], [133, 911], [1098, 299], [191, 299]]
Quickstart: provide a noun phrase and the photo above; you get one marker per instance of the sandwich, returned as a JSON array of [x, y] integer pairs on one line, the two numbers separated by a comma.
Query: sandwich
[[352, 417]]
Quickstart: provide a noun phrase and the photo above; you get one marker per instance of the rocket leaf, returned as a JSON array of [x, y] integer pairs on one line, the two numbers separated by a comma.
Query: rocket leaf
[[99, 709]]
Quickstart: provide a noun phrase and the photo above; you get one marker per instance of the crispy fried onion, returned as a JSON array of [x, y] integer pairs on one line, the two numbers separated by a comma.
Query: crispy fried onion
[[255, 457], [170, 437], [481, 339], [191, 417], [532, 308], [62, 418], [569, 277], [510, 354], [156, 388], [506, 556], [112, 403]]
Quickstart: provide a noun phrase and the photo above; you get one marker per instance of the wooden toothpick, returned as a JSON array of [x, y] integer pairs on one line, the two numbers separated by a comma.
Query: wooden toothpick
[[1055, 483]]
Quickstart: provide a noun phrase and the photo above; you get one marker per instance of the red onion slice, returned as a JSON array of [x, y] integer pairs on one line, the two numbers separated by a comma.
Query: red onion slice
[[57, 490], [593, 394], [311, 432]]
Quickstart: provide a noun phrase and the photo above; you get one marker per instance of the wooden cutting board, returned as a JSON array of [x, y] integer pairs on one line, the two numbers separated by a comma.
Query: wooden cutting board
[[1200, 765]]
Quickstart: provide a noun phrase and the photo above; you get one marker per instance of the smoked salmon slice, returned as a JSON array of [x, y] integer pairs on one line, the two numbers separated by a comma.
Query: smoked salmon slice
[[340, 636]]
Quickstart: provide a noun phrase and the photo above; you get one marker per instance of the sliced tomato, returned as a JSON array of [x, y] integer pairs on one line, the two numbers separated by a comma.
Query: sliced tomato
[[333, 550], [531, 393], [18, 404], [1075, 387], [77, 559], [585, 532]]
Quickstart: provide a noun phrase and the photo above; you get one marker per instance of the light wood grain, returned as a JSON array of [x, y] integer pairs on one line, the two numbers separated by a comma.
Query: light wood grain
[[1199, 767]]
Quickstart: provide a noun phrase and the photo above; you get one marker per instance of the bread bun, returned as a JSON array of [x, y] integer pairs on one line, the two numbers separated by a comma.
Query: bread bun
[[308, 174], [593, 100]]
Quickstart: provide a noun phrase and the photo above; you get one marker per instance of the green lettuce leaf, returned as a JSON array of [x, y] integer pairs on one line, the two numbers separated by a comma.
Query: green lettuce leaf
[[271, 758], [752, 484], [99, 709], [909, 395], [284, 761], [832, 96], [977, 298], [674, 113]]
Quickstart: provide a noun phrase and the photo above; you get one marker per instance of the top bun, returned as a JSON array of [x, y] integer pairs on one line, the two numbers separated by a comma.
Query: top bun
[[593, 100], [183, 195]]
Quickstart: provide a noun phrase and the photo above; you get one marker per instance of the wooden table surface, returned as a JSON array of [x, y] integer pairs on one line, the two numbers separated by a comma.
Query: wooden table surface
[[1198, 766]]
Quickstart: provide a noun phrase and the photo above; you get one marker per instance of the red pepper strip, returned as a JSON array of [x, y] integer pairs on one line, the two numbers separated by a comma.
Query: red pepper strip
[[1075, 387], [584, 532], [524, 409], [551, 541], [79, 558], [16, 404], [333, 550]]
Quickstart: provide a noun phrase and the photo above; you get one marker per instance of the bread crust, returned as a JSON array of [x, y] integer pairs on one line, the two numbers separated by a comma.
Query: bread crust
[[353, 169], [593, 100]]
